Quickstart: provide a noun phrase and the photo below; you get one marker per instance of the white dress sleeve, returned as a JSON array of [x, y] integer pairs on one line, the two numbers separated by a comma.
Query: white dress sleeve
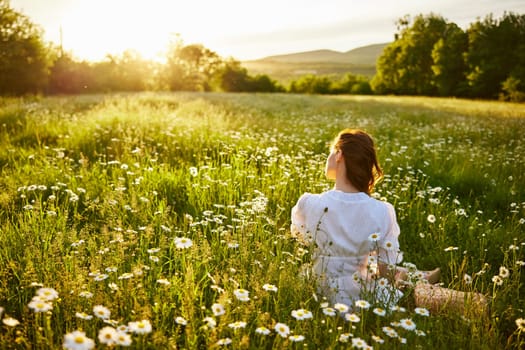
[[299, 226], [389, 252]]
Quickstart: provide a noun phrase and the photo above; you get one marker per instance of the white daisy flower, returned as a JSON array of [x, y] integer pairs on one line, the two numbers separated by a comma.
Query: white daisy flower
[[282, 329], [407, 324], [101, 312], [108, 336], [47, 293], [217, 309], [342, 308], [77, 340], [301, 314], [352, 318], [140, 327], [262, 330], [182, 242], [270, 287], [421, 311]]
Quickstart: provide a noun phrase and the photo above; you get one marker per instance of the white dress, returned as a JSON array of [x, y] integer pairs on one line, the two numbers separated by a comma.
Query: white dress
[[350, 232]]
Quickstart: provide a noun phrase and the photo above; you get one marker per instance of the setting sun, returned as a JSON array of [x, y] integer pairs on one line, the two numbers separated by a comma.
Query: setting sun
[[93, 29]]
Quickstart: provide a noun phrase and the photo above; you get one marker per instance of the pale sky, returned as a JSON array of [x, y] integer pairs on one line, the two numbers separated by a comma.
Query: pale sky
[[243, 29]]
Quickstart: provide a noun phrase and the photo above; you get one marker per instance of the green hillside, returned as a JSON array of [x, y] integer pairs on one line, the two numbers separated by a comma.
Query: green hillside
[[283, 68]]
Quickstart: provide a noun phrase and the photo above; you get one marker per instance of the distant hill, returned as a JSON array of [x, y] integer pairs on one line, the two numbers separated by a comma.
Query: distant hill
[[361, 55], [283, 68]]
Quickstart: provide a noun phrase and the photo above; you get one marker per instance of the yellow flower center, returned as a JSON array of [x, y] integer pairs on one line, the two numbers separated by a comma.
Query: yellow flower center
[[79, 340]]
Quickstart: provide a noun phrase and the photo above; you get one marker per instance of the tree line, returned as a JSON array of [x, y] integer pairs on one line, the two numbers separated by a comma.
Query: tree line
[[429, 56]]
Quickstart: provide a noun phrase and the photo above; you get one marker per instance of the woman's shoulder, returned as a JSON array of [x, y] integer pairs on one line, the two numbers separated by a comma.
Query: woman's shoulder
[[385, 205], [308, 197], [309, 200]]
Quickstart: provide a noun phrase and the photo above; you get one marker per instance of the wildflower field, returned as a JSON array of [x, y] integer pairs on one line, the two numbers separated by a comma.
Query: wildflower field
[[162, 221]]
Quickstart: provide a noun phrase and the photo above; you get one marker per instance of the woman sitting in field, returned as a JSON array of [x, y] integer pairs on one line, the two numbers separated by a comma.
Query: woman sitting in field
[[355, 235]]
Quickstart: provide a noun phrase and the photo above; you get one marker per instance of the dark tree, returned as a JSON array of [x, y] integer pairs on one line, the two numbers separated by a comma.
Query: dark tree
[[496, 52], [405, 67], [24, 58]]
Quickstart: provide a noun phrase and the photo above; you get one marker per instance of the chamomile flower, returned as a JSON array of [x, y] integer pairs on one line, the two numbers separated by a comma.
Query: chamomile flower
[[270, 288], [48, 294], [182, 242], [237, 325], [343, 338], [328, 311], [10, 322], [342, 308], [362, 304], [282, 329], [77, 340], [301, 314], [233, 245], [497, 280], [101, 312], [262, 330], [163, 281], [407, 324], [241, 294], [374, 237], [224, 341], [296, 338], [377, 339], [126, 276], [123, 328], [388, 246], [520, 323], [85, 294], [100, 277], [217, 309], [450, 249], [194, 171], [83, 316], [398, 308], [359, 343], [123, 339], [379, 311], [503, 272], [210, 322], [140, 327], [40, 305], [181, 321], [108, 336], [390, 332], [421, 311], [356, 277], [352, 318], [382, 283]]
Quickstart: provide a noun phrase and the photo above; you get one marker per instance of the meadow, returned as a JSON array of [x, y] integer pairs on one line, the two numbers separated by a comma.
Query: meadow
[[162, 221]]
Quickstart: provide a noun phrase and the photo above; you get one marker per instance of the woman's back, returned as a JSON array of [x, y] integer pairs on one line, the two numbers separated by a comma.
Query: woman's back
[[347, 228]]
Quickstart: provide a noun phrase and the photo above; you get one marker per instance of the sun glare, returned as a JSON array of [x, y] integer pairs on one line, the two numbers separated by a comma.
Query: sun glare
[[93, 30]]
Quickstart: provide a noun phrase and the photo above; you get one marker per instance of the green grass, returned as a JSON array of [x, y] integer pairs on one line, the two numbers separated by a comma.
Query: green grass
[[95, 190]]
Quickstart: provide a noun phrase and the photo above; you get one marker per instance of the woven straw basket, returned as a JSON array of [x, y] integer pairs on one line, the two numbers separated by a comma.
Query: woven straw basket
[[439, 299]]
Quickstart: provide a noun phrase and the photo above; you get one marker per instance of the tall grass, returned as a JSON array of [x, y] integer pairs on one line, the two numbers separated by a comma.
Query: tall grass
[[169, 208]]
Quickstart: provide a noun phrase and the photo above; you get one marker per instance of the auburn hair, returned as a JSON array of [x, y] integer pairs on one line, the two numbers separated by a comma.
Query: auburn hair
[[362, 167]]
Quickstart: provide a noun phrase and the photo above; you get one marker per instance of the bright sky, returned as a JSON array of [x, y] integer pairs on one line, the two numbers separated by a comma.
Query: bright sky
[[243, 29]]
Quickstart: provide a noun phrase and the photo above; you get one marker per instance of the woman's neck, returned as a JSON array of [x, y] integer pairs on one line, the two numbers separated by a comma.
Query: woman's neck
[[345, 186]]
